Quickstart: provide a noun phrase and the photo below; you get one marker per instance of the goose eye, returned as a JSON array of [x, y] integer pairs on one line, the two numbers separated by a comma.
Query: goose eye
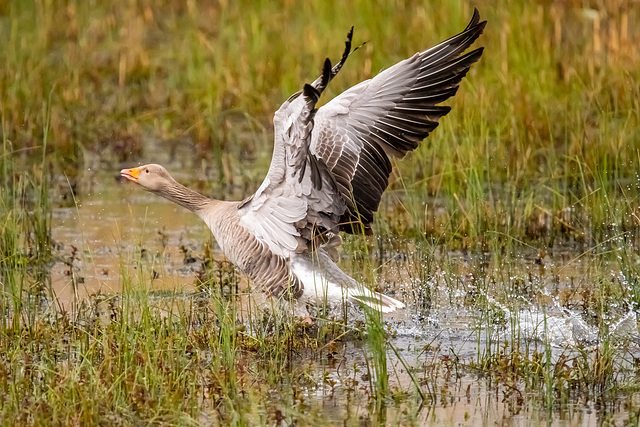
[[147, 170]]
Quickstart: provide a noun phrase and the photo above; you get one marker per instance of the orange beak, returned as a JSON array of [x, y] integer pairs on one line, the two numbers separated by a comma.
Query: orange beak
[[130, 174]]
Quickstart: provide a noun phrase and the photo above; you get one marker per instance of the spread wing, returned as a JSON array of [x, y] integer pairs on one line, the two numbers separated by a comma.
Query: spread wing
[[297, 200], [389, 115], [331, 166]]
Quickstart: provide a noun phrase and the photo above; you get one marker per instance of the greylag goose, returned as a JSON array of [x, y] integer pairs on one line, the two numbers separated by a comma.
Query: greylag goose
[[329, 169]]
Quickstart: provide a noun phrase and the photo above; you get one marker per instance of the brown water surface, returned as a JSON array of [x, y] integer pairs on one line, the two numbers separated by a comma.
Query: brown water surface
[[114, 227]]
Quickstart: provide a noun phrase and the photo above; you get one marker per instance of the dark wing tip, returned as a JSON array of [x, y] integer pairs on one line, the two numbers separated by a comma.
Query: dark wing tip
[[321, 82], [474, 19], [471, 57], [326, 74], [476, 53], [347, 44], [474, 26], [311, 92]]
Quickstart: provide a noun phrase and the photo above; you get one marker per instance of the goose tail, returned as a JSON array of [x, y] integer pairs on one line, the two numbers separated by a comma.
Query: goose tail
[[375, 300]]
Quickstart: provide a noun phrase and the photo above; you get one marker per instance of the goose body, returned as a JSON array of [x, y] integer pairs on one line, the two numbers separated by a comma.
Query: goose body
[[329, 169]]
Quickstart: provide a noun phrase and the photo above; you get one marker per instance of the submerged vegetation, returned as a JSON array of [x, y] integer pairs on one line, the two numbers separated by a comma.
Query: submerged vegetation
[[518, 218]]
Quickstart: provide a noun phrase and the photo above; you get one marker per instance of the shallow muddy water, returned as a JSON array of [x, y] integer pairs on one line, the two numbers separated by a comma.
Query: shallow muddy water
[[458, 312], [110, 228]]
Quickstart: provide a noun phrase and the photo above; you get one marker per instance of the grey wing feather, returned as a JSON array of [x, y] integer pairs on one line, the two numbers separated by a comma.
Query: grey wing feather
[[296, 177], [330, 166], [389, 115]]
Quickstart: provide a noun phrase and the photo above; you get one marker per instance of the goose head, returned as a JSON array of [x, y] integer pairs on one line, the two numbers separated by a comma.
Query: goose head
[[156, 179], [152, 177]]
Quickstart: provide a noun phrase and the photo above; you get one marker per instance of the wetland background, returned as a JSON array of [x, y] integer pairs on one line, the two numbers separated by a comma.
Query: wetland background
[[512, 233]]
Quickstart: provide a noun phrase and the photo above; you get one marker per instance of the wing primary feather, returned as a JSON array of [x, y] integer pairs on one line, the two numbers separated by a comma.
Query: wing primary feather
[[467, 59], [345, 54], [474, 19], [321, 82], [326, 73], [336, 160], [311, 92]]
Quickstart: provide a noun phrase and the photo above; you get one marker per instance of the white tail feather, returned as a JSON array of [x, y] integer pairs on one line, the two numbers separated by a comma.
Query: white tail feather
[[376, 301], [327, 282]]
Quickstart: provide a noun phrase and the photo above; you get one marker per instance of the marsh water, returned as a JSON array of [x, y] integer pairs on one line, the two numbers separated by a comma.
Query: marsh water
[[458, 313], [512, 233]]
